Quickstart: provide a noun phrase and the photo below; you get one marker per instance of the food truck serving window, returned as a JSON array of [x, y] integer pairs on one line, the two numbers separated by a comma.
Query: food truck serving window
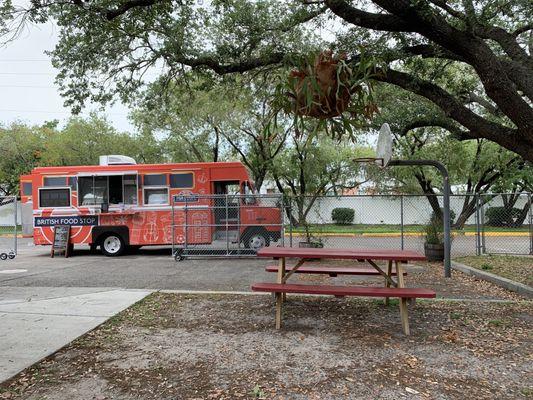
[[113, 189], [54, 197], [55, 181], [182, 180]]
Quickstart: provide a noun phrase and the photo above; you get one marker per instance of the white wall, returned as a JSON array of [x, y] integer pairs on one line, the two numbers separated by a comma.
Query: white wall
[[386, 209]]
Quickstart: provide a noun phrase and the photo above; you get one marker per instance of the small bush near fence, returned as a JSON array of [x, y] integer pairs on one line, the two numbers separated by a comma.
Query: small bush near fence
[[434, 216], [342, 216], [502, 216]]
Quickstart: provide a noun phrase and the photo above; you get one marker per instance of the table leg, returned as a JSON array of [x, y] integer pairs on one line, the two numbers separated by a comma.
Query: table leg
[[387, 281], [403, 302], [279, 296]]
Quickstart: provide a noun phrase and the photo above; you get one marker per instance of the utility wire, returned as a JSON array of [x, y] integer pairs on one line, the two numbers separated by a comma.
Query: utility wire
[[56, 112]]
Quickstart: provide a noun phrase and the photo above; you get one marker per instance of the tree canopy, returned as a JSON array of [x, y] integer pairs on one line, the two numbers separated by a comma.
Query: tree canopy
[[108, 47]]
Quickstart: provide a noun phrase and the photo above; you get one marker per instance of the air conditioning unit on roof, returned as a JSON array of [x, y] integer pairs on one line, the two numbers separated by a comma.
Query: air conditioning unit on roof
[[116, 160]]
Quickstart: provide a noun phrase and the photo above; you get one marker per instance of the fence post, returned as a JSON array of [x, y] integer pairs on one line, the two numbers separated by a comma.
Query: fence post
[[186, 226], [16, 226], [227, 226], [530, 225], [401, 221], [290, 221], [173, 227], [478, 227], [282, 220], [482, 218]]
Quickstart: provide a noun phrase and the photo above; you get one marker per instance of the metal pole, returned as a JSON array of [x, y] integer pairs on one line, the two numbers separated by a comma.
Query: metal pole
[[173, 227], [186, 226], [530, 225], [241, 199], [227, 226], [290, 221], [446, 187], [482, 219], [282, 220], [401, 221], [478, 227], [15, 233]]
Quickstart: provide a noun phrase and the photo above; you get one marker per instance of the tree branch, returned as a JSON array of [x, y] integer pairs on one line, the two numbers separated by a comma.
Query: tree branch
[[380, 22], [521, 141]]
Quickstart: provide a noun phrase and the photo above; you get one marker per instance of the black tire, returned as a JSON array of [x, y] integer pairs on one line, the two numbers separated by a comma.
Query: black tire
[[255, 238], [3, 256], [112, 245]]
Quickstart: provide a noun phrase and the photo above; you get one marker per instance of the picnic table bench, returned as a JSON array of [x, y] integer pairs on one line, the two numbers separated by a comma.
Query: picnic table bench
[[393, 288], [331, 271]]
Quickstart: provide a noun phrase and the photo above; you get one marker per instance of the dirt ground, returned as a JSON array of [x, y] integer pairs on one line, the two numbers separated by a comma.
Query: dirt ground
[[422, 274], [173, 346]]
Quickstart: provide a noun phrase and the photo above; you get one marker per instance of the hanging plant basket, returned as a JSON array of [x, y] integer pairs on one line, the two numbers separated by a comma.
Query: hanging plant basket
[[324, 85]]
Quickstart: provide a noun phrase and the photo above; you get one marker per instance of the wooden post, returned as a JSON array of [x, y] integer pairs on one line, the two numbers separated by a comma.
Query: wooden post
[[387, 282], [404, 316], [279, 297]]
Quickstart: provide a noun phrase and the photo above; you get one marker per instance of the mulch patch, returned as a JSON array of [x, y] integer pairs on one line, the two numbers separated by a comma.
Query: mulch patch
[[172, 346]]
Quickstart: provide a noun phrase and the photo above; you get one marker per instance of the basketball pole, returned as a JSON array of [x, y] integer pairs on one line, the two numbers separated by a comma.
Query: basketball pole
[[446, 214]]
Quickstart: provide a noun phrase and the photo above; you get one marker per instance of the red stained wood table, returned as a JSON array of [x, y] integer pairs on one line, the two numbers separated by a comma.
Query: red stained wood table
[[371, 256]]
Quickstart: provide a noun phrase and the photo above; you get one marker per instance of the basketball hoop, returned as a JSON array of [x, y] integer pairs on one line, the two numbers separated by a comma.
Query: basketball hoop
[[383, 148], [383, 159]]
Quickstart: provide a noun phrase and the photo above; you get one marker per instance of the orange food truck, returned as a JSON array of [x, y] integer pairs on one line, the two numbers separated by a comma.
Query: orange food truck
[[120, 204]]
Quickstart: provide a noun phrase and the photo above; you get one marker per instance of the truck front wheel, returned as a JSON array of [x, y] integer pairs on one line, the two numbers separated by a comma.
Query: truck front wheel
[[112, 245]]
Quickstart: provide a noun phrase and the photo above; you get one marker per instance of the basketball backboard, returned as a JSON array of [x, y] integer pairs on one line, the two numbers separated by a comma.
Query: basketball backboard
[[384, 146]]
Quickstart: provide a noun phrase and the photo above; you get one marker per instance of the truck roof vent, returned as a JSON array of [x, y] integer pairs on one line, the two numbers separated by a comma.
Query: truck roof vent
[[116, 160]]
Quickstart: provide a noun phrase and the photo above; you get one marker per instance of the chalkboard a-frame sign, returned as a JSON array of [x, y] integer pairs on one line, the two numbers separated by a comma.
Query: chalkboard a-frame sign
[[61, 240]]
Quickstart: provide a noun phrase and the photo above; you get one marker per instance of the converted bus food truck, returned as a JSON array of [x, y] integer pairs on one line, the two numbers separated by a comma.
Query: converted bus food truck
[[120, 204]]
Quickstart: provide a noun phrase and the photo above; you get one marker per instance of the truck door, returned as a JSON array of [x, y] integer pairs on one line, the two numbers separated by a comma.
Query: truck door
[[226, 203]]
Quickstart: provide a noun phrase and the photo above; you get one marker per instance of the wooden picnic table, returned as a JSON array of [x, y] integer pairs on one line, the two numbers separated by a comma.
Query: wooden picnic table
[[393, 288]]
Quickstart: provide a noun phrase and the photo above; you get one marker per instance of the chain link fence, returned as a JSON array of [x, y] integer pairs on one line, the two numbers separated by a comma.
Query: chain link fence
[[9, 226], [225, 225], [481, 224]]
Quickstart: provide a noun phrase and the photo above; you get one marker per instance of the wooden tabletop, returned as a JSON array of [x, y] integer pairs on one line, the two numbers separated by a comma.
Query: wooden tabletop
[[348, 254]]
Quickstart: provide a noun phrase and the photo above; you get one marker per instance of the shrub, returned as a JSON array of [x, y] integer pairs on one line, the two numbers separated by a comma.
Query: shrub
[[501, 216], [452, 216], [433, 231], [342, 216]]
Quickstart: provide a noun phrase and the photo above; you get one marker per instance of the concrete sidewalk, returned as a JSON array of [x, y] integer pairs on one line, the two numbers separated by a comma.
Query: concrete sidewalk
[[36, 321]]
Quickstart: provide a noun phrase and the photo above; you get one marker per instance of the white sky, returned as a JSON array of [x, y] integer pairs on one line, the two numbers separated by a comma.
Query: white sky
[[27, 90]]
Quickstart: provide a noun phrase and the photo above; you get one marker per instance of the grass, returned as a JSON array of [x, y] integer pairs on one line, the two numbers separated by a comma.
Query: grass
[[388, 228], [519, 269], [9, 229]]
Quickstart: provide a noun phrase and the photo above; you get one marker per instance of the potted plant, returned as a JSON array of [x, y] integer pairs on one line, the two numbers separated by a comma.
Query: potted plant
[[311, 240], [434, 240]]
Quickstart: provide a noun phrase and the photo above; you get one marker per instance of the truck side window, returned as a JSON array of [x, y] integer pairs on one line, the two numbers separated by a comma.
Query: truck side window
[[92, 190], [130, 189], [54, 197], [155, 180], [155, 195], [55, 181], [182, 180], [26, 188]]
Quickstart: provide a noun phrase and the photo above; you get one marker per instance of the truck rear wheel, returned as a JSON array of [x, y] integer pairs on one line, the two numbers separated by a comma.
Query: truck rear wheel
[[255, 239], [112, 245]]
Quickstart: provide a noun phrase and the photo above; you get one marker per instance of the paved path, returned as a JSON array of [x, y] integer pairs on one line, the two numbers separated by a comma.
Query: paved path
[[35, 322]]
